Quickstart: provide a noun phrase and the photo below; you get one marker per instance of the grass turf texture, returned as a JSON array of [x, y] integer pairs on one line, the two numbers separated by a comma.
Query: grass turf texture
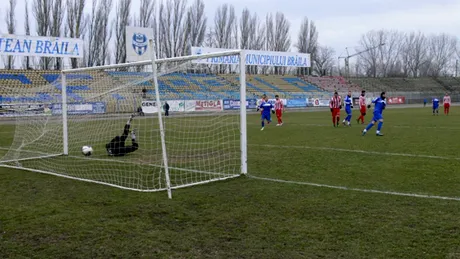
[[46, 216]]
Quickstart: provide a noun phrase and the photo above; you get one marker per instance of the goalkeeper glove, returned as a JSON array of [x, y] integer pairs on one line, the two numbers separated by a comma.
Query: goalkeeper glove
[[369, 106], [351, 106], [340, 107], [273, 111], [331, 110]]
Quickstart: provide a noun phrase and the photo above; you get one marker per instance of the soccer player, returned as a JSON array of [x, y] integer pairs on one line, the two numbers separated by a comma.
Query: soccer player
[[117, 147], [446, 102], [380, 105], [348, 106], [335, 104], [435, 106], [266, 116], [259, 102], [362, 107], [279, 109]]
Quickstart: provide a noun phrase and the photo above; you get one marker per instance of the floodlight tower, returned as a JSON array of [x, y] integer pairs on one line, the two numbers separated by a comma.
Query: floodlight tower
[[347, 58]]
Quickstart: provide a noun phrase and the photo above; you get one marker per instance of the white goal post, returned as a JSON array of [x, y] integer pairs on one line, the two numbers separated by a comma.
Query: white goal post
[[103, 106]]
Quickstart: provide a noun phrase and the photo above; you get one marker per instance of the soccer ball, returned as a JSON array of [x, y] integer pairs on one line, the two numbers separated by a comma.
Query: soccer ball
[[86, 150]]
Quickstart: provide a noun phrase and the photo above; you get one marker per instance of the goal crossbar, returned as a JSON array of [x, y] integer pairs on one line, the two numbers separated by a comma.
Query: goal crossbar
[[157, 61]]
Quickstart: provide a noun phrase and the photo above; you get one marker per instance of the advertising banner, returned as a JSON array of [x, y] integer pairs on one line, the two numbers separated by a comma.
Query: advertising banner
[[255, 58], [80, 108], [13, 110], [189, 106], [210, 105], [234, 104], [137, 43], [14, 45], [293, 103], [320, 102], [396, 100], [149, 107], [175, 106]]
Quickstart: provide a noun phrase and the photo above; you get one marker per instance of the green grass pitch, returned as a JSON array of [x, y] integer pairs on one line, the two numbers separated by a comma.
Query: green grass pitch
[[44, 216]]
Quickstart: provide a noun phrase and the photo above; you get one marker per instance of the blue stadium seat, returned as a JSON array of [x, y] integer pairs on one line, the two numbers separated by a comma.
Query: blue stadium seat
[[276, 89], [20, 77]]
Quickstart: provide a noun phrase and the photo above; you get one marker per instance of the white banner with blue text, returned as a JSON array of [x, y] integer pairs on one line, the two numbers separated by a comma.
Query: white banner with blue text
[[255, 58], [137, 43], [15, 45]]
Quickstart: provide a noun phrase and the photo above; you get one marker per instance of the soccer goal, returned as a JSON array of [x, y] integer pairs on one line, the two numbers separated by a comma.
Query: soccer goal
[[119, 111]]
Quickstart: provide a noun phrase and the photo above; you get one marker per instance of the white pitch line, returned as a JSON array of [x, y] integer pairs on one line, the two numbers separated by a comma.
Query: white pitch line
[[359, 151], [414, 195]]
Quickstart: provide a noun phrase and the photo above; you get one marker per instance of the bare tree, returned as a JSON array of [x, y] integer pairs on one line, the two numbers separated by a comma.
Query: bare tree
[[389, 53], [197, 18], [307, 42], [49, 16], [146, 13], [57, 26], [245, 29], [415, 52], [209, 38], [26, 62], [98, 33], [251, 35], [224, 29], [11, 27], [122, 19], [173, 28], [224, 21], [370, 55], [282, 39], [442, 49], [42, 10], [269, 38], [324, 60], [76, 22]]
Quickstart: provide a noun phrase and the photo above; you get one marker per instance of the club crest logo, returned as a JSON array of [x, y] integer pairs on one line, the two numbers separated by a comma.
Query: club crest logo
[[139, 43]]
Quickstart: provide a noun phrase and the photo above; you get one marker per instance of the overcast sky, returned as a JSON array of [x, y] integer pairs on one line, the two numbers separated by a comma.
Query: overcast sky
[[340, 23]]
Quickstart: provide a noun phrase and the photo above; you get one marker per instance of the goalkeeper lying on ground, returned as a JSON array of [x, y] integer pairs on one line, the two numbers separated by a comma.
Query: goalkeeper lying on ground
[[117, 147]]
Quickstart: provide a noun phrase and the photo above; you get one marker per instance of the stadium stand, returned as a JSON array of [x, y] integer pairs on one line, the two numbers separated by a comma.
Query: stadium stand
[[41, 85], [332, 83], [452, 84], [392, 84]]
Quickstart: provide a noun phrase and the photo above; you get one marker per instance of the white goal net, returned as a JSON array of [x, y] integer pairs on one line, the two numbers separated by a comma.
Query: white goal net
[[135, 142]]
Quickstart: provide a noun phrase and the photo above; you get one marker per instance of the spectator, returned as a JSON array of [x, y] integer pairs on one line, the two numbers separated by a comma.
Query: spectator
[[166, 108]]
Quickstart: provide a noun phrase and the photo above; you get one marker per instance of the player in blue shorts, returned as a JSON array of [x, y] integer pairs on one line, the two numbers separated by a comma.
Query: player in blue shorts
[[435, 106], [348, 106], [380, 105], [266, 107]]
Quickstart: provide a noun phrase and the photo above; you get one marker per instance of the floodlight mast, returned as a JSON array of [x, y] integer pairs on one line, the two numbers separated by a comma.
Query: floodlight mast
[[347, 58]]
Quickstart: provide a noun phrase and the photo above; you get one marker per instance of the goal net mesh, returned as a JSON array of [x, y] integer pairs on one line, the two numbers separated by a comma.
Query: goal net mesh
[[202, 140]]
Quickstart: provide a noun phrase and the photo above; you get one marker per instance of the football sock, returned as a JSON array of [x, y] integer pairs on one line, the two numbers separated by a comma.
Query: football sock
[[379, 126], [369, 126]]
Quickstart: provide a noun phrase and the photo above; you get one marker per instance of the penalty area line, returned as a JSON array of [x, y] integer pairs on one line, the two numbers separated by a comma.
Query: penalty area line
[[359, 151], [344, 188]]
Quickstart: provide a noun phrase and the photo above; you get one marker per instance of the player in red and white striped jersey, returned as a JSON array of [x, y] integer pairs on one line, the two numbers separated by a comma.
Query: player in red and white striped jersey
[[335, 104], [362, 107], [279, 109], [446, 102]]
